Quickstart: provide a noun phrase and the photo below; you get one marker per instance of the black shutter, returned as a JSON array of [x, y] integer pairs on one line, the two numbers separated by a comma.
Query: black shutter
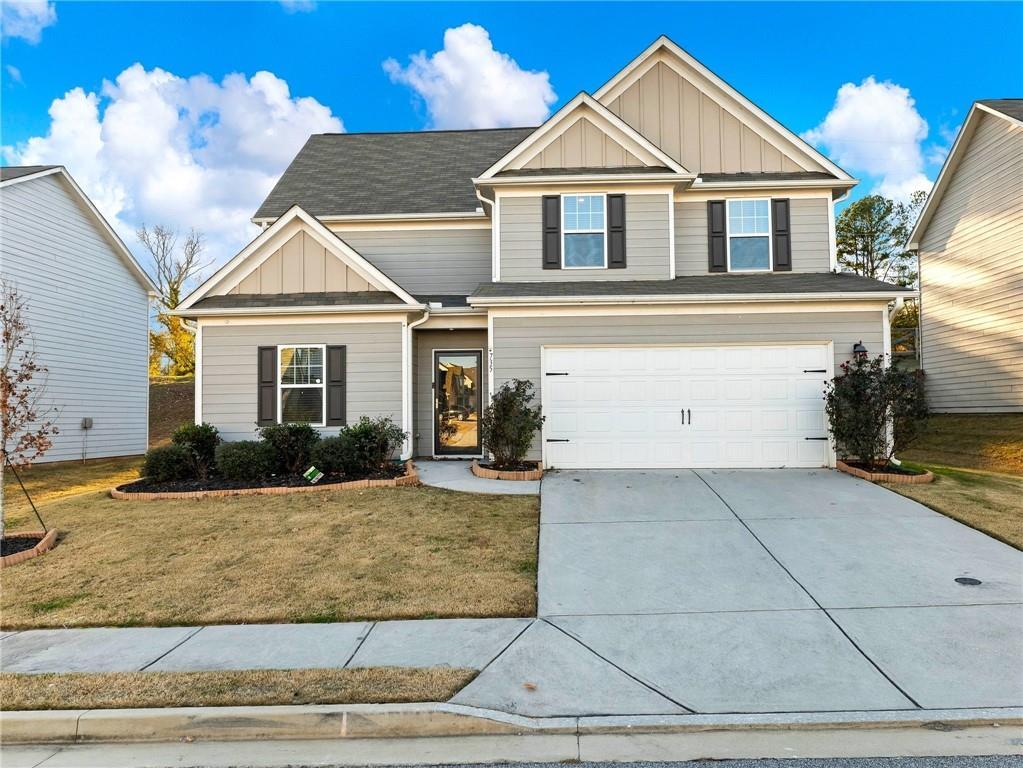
[[717, 236], [266, 386], [782, 235], [551, 232], [616, 231], [335, 386]]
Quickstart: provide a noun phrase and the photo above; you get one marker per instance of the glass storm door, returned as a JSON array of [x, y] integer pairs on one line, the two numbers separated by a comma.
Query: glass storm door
[[456, 398]]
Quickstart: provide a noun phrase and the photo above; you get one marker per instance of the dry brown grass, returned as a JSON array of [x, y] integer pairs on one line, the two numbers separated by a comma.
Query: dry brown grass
[[333, 556], [990, 503], [381, 685], [992, 443], [171, 404]]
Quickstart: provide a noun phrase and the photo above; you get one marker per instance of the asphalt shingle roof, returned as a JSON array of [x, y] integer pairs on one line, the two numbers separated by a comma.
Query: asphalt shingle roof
[[1010, 107], [363, 174], [323, 299], [17, 171], [696, 285]]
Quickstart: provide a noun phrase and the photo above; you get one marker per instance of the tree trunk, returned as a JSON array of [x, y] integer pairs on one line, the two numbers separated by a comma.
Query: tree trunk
[[3, 466]]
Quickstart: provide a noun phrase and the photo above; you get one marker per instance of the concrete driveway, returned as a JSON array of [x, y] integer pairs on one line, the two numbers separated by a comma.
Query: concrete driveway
[[724, 591]]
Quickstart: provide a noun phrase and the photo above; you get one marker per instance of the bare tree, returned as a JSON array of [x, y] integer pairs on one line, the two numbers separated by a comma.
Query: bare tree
[[26, 425], [174, 269]]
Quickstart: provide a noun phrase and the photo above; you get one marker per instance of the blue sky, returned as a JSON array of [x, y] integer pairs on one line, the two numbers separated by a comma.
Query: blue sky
[[791, 59]]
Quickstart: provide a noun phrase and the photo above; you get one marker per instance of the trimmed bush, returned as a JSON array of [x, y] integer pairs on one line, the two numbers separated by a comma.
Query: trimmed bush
[[369, 445], [168, 462], [508, 424], [330, 455], [292, 445], [245, 460], [202, 441]]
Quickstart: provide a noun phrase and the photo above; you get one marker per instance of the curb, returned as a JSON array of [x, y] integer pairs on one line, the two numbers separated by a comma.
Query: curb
[[395, 721], [498, 474], [886, 477], [411, 477], [46, 543]]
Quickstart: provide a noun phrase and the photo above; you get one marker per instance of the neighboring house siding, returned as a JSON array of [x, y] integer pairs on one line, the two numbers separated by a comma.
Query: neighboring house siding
[[438, 261], [89, 317], [810, 235], [517, 341], [425, 344], [229, 369], [684, 117], [646, 242], [971, 268]]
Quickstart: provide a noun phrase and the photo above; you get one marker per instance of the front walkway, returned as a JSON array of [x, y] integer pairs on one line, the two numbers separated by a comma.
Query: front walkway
[[775, 591], [455, 475]]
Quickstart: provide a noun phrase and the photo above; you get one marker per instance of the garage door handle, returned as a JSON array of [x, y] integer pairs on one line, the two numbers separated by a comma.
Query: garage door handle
[[558, 440], [815, 438], [815, 370], [555, 374]]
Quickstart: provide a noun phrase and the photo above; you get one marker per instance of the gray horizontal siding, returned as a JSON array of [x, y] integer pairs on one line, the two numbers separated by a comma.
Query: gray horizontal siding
[[810, 236], [55, 253], [229, 367], [517, 341], [440, 261], [426, 342], [646, 242]]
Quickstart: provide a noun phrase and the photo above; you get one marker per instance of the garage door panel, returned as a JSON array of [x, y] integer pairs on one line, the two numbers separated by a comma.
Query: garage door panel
[[744, 405]]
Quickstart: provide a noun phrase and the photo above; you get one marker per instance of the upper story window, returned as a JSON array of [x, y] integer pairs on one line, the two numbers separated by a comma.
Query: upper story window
[[584, 232], [300, 385], [749, 235]]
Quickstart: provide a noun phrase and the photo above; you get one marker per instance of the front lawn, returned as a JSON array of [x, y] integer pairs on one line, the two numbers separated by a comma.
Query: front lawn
[[988, 442], [380, 553]]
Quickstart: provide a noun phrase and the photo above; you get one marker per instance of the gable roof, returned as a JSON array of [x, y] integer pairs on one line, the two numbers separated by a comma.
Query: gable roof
[[11, 175], [638, 66], [583, 106], [330, 240], [1010, 110], [381, 174]]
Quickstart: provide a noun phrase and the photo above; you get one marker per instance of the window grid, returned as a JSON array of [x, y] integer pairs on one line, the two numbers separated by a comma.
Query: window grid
[[300, 367], [750, 218], [585, 216]]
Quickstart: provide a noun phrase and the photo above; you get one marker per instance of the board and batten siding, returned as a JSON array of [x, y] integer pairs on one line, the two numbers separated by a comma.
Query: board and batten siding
[[229, 369], [426, 343], [809, 220], [971, 276], [428, 261], [517, 341], [89, 317], [646, 242]]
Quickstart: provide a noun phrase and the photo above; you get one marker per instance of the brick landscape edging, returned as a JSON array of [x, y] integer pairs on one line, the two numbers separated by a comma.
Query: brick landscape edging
[[46, 543], [497, 474], [411, 477], [887, 477]]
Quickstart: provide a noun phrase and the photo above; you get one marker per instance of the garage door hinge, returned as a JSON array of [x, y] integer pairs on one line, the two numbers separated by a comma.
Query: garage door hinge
[[558, 440], [555, 374]]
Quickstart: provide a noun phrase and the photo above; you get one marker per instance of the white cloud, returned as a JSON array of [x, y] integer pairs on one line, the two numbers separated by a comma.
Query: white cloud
[[161, 149], [26, 19], [468, 84], [874, 129], [298, 6], [14, 73]]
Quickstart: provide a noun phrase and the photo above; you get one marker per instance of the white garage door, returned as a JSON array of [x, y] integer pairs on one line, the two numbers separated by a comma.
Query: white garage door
[[637, 407]]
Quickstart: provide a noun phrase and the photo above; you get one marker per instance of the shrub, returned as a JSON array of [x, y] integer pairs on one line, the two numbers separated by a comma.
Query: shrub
[[245, 460], [292, 445], [330, 455], [869, 402], [201, 440], [508, 424], [368, 445], [168, 462]]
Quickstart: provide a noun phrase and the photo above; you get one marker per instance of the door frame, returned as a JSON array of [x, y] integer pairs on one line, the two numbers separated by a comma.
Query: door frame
[[435, 433]]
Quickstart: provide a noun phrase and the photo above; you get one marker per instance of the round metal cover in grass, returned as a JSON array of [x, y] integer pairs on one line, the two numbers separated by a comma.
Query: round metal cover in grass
[[966, 581]]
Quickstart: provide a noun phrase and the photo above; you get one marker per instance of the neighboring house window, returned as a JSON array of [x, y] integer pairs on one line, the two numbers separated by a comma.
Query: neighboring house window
[[584, 237], [749, 235], [300, 387]]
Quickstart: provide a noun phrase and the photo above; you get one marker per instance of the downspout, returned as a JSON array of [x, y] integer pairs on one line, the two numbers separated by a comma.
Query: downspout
[[410, 389]]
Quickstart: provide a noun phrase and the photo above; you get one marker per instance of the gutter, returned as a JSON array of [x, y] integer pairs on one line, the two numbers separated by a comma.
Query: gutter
[[533, 301], [304, 310], [677, 178]]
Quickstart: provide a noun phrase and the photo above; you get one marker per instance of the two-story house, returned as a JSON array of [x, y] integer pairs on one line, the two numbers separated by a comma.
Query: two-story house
[[658, 258]]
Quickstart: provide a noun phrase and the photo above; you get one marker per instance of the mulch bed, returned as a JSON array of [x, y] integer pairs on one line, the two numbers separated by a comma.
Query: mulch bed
[[19, 547], [12, 545], [890, 474], [221, 484], [525, 471]]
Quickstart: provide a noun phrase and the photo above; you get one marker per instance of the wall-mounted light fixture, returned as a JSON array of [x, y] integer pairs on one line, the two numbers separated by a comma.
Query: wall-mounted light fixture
[[859, 350]]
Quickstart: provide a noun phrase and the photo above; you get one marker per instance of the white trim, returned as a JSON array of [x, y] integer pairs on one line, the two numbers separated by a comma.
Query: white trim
[[408, 226], [480, 405], [134, 267], [490, 357], [627, 76], [322, 385], [543, 424], [476, 321], [671, 236], [702, 194], [832, 448], [495, 238], [776, 184], [832, 238], [198, 372], [723, 298], [602, 231], [729, 235], [526, 188], [886, 336], [610, 124], [326, 309], [948, 169], [406, 386], [330, 240], [312, 319], [618, 310], [586, 178]]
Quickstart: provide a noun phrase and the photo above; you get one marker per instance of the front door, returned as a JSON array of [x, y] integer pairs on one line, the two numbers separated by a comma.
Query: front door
[[456, 398]]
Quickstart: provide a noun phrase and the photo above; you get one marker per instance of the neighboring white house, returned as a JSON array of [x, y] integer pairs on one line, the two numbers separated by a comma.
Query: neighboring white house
[[969, 239], [88, 309]]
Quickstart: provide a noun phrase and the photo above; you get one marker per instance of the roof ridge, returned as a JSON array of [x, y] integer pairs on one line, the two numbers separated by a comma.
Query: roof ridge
[[425, 131]]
